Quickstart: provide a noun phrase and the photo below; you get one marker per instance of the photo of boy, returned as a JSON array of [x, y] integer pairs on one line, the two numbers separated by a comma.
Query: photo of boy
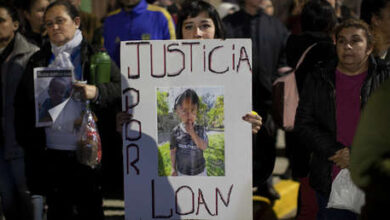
[[188, 140], [58, 91]]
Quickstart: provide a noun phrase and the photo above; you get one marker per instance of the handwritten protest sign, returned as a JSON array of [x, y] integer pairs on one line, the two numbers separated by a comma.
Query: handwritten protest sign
[[187, 152]]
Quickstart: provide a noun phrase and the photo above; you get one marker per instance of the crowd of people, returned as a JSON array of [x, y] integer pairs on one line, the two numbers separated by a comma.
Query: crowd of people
[[347, 62]]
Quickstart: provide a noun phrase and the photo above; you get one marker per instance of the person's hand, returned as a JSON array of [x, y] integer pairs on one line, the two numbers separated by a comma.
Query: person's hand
[[255, 120], [341, 158], [121, 118], [174, 172], [189, 125], [88, 92]]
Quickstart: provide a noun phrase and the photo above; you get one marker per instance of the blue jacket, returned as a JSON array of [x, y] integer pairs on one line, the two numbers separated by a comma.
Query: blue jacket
[[143, 22]]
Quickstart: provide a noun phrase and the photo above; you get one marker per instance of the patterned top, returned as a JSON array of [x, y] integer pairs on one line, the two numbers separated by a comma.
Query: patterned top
[[189, 158]]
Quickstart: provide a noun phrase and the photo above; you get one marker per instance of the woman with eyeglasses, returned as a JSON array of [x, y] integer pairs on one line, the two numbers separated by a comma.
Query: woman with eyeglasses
[[72, 189]]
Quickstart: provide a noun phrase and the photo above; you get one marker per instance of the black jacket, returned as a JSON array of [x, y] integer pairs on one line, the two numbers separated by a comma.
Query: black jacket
[[296, 44], [27, 134], [33, 139], [299, 155], [269, 38], [315, 120]]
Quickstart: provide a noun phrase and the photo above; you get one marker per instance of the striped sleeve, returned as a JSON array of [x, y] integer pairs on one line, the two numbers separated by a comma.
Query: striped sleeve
[[169, 33]]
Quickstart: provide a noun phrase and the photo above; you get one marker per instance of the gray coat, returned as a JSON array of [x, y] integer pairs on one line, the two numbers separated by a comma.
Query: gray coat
[[12, 70]]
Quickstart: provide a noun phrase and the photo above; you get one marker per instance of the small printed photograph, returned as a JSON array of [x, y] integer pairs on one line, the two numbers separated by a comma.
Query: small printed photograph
[[52, 87], [191, 137]]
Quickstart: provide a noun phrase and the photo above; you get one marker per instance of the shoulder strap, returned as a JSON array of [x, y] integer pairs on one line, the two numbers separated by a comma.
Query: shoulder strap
[[304, 55]]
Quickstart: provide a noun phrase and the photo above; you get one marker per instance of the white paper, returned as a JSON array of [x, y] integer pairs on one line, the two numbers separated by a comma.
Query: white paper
[[213, 68], [55, 112], [52, 88]]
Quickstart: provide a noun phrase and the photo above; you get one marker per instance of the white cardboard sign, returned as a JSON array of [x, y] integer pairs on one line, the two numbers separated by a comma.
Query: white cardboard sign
[[218, 180]]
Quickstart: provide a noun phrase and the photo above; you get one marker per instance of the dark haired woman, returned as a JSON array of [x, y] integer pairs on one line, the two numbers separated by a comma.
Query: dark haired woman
[[34, 29], [199, 20], [72, 189], [202, 11], [329, 108]]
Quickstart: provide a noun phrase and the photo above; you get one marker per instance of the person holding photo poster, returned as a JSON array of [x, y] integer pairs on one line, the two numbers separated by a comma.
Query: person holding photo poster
[[197, 20], [200, 20], [72, 189]]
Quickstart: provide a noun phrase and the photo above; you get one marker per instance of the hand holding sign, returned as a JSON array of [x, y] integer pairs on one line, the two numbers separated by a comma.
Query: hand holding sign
[[255, 120], [88, 92]]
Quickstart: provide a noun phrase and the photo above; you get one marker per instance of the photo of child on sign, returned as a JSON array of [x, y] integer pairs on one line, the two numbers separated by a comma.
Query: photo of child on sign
[[193, 117]]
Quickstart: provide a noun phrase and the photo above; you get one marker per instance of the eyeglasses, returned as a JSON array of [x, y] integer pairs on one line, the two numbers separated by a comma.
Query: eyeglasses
[[57, 21]]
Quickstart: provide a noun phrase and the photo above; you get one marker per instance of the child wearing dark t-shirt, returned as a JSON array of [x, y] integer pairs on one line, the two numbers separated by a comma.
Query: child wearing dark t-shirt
[[188, 140]]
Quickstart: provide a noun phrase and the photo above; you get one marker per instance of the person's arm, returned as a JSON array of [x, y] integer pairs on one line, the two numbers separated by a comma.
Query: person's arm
[[307, 125], [173, 162], [173, 147], [341, 158], [200, 142], [168, 25], [27, 135], [122, 118], [103, 94], [371, 141], [89, 92], [255, 120]]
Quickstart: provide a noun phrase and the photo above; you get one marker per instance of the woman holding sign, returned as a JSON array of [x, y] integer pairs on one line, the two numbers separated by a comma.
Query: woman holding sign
[[72, 189], [200, 20]]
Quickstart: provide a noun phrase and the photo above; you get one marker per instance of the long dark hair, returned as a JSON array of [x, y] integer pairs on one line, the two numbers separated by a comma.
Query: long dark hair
[[191, 9]]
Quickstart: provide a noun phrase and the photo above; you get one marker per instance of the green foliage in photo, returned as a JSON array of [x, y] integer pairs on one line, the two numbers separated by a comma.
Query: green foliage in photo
[[162, 104], [201, 117], [216, 114]]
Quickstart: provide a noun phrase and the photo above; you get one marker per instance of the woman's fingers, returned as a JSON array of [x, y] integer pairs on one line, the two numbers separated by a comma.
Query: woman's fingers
[[121, 118], [88, 92], [255, 120]]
